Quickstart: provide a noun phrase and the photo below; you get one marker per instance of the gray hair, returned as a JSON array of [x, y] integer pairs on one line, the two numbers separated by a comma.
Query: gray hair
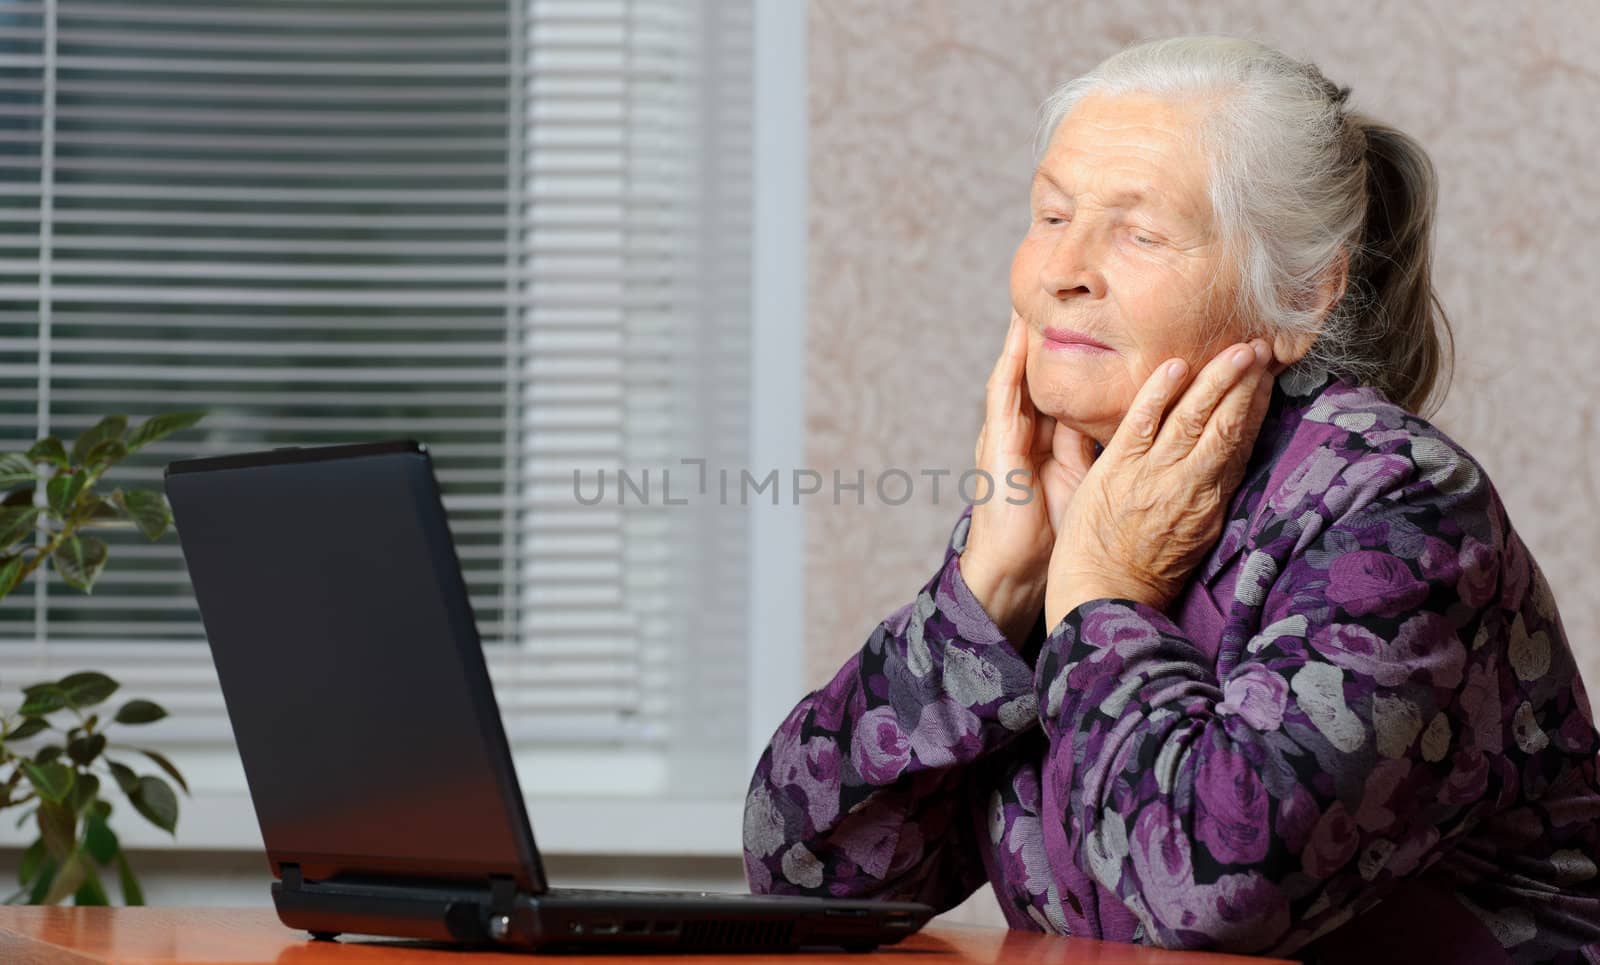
[[1298, 184]]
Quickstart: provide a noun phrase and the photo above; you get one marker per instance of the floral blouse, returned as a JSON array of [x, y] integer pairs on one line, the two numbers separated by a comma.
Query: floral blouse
[[1363, 704]]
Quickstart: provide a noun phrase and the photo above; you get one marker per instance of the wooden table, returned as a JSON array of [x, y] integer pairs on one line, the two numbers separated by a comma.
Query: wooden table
[[82, 936]]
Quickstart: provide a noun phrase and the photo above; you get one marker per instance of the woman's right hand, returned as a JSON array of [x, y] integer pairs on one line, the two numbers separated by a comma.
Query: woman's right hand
[[1012, 533]]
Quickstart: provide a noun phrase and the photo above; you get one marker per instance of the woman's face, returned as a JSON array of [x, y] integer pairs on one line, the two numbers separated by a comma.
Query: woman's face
[[1120, 268]]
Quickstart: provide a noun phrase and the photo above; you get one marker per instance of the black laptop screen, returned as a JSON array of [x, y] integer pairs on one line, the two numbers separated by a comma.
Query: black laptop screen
[[344, 643]]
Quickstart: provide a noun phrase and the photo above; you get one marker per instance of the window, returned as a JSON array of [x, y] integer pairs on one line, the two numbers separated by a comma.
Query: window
[[518, 230]]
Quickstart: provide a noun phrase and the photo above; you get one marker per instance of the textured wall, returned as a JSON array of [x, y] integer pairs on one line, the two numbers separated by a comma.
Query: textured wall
[[921, 120]]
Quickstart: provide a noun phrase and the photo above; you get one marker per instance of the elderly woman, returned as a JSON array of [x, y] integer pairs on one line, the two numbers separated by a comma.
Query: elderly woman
[[1259, 664]]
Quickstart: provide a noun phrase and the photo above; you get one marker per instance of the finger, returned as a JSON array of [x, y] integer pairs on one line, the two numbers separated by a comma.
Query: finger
[[1072, 449], [1225, 447], [1002, 360], [1183, 428], [1002, 393], [1137, 430], [1010, 412], [988, 402], [1056, 511]]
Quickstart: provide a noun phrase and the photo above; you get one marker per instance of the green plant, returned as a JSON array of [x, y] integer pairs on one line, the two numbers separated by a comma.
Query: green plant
[[59, 779], [48, 527], [50, 502]]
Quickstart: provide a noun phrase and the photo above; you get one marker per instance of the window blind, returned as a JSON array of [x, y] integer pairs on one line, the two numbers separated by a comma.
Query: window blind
[[514, 230]]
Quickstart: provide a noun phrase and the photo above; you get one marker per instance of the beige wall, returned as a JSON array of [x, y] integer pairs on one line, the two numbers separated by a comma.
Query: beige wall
[[921, 119]]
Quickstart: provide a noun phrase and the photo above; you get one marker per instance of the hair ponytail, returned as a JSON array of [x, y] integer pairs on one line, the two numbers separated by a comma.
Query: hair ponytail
[[1394, 266]]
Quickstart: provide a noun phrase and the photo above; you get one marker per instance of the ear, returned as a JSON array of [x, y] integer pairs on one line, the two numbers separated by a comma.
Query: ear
[[1289, 349]]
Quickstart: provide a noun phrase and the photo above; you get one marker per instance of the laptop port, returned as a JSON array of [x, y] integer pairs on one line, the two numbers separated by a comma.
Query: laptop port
[[664, 928], [635, 927], [603, 928]]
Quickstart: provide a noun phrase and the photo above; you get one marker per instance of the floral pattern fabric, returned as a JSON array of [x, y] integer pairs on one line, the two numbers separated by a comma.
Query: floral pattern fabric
[[1363, 700]]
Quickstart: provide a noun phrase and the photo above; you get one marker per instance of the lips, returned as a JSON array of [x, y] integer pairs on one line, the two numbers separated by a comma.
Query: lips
[[1066, 338]]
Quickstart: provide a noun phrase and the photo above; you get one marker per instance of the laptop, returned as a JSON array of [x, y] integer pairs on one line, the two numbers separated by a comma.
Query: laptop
[[355, 681]]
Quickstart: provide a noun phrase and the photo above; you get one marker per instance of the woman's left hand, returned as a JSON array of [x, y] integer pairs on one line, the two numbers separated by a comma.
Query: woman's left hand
[[1153, 502]]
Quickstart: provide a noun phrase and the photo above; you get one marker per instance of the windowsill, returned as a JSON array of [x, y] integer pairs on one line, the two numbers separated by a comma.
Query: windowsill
[[225, 821]]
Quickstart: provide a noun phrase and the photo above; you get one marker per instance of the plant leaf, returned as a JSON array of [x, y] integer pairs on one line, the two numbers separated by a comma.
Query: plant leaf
[[100, 808], [87, 688], [42, 699], [16, 522], [67, 879], [16, 470], [32, 860], [160, 426], [165, 765], [132, 894], [10, 573], [91, 892], [146, 508], [80, 559], [59, 829], [156, 801], [94, 507], [111, 427], [47, 753], [29, 727], [63, 489], [140, 712], [84, 789], [106, 452], [126, 779], [99, 840], [51, 780], [41, 883], [49, 449], [83, 750]]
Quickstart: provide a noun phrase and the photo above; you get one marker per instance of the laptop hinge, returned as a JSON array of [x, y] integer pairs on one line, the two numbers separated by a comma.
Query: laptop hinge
[[502, 907], [291, 877], [502, 894]]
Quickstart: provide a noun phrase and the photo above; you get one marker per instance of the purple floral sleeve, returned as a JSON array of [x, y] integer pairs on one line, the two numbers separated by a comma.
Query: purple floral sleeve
[[862, 790], [1346, 744]]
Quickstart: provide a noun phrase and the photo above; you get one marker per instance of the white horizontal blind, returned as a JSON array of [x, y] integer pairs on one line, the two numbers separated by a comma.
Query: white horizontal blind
[[508, 228]]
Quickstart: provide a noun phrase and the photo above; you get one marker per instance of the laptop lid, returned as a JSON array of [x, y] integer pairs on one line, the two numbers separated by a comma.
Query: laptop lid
[[350, 663]]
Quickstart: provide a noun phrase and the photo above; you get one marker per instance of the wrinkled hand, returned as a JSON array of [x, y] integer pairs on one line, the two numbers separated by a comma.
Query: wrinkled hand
[[1152, 505], [1012, 533]]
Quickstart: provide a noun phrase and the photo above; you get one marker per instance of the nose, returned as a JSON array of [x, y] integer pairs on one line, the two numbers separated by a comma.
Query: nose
[[1069, 269]]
